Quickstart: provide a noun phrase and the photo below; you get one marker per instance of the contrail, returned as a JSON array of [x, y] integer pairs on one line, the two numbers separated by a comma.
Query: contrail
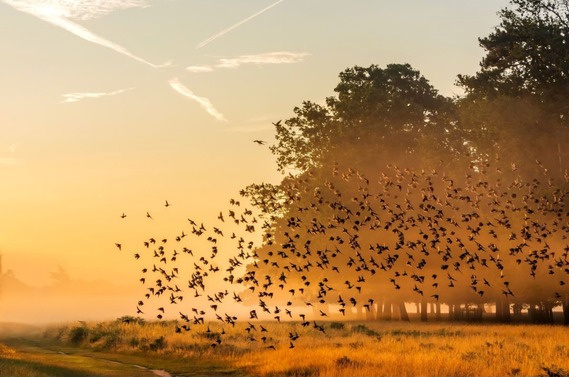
[[56, 17], [205, 103], [225, 31], [75, 97]]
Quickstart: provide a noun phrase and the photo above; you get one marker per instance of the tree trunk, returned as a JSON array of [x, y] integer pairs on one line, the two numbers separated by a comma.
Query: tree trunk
[[566, 310], [559, 158], [438, 312], [423, 311], [360, 313], [499, 310], [548, 314], [395, 311], [506, 316], [403, 311], [457, 312], [532, 313], [379, 311], [450, 312], [387, 311], [370, 314]]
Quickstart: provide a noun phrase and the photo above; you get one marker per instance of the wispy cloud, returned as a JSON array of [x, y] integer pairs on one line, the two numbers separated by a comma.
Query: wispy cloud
[[61, 12], [261, 59], [88, 9], [205, 103], [74, 97], [200, 68], [227, 30], [279, 57]]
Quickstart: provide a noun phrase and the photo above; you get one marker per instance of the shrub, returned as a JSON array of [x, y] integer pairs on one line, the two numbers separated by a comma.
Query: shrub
[[158, 344], [310, 371], [554, 371], [134, 342], [337, 325], [131, 319], [364, 330], [78, 334], [344, 362]]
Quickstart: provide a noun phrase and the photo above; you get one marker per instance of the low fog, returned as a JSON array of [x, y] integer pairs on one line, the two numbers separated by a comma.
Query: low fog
[[64, 299]]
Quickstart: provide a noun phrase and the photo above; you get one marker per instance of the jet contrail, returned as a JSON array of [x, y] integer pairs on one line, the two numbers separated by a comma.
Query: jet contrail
[[205, 103], [74, 97], [225, 31], [56, 17]]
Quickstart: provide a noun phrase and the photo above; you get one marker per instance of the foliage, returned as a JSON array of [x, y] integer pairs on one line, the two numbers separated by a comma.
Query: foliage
[[527, 54], [379, 115], [516, 104], [78, 334]]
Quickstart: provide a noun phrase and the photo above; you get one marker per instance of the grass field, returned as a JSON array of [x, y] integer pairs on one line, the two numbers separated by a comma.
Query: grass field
[[346, 349]]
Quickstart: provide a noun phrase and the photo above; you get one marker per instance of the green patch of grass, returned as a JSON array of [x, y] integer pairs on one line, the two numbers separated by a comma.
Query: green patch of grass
[[25, 368], [94, 363]]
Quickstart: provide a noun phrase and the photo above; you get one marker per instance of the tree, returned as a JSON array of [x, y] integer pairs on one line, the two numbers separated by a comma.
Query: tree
[[516, 105], [379, 116], [527, 54]]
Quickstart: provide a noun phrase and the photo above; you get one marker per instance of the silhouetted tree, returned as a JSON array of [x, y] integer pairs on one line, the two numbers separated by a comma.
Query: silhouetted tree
[[516, 105], [379, 116]]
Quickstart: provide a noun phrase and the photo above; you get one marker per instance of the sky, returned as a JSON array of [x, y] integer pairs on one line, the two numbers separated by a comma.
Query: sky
[[112, 107]]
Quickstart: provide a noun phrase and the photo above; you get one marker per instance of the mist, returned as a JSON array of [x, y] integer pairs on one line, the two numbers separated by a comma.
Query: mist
[[64, 299]]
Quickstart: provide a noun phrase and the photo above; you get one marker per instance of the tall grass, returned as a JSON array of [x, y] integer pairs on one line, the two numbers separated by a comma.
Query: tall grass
[[345, 349]]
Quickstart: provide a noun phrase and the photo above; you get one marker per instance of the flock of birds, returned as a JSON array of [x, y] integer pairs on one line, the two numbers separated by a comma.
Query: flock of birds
[[323, 245]]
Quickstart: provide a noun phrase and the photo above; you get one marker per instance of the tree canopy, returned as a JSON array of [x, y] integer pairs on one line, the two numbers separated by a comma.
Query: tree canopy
[[527, 55], [378, 115], [516, 105]]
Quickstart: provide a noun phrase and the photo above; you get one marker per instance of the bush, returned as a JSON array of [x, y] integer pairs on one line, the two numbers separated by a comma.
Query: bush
[[134, 342], [344, 362], [158, 344], [364, 330], [131, 319], [78, 334], [554, 371], [337, 325], [310, 371]]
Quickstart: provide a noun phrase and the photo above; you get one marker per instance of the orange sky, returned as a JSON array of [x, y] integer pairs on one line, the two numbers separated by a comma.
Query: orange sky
[[105, 111]]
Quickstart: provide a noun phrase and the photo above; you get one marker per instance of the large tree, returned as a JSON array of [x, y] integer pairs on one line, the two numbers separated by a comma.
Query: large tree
[[516, 105], [379, 117]]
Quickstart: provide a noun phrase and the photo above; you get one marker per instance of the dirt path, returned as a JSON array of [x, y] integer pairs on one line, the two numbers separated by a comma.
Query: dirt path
[[157, 372]]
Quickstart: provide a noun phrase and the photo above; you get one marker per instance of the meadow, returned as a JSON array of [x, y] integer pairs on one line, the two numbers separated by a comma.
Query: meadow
[[345, 349]]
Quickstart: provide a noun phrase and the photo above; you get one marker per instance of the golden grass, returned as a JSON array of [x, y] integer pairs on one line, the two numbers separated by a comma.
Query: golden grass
[[348, 349]]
